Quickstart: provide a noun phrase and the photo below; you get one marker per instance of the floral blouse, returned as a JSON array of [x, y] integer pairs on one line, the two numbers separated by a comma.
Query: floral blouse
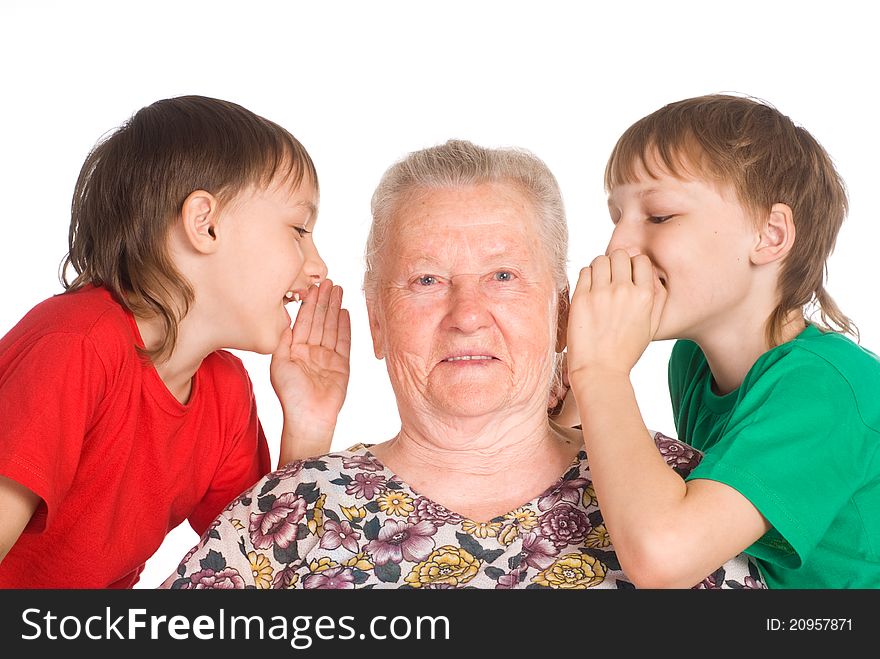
[[345, 521]]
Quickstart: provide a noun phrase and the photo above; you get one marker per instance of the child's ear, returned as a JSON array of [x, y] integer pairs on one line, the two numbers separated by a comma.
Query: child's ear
[[198, 216], [562, 308], [776, 236]]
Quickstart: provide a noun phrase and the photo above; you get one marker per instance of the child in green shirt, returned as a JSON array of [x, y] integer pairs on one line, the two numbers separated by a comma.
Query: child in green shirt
[[725, 213]]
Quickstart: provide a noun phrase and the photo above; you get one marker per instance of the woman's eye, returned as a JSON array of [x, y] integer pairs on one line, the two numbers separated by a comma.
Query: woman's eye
[[426, 280], [503, 275], [658, 219]]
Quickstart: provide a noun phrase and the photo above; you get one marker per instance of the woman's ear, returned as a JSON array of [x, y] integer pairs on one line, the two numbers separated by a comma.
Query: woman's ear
[[775, 237], [198, 216], [562, 308], [375, 326]]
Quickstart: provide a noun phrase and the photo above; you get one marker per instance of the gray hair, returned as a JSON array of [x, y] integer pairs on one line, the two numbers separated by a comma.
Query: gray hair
[[459, 163]]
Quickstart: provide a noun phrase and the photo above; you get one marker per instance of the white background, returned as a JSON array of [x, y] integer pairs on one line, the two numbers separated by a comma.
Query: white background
[[363, 83]]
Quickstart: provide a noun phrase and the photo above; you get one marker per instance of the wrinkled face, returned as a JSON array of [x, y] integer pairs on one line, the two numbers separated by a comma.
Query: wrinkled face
[[699, 237], [268, 251], [464, 311]]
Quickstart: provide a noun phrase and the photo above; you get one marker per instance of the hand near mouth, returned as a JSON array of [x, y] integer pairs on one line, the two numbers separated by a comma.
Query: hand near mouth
[[615, 313], [310, 371]]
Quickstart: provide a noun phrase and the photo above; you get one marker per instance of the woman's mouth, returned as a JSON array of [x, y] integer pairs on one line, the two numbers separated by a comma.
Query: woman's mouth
[[465, 358]]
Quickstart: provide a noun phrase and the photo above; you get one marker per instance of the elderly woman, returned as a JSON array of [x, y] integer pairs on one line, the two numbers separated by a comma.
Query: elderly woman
[[465, 286]]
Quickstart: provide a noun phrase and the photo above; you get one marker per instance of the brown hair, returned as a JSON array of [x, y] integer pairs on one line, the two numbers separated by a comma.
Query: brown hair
[[133, 184], [768, 159]]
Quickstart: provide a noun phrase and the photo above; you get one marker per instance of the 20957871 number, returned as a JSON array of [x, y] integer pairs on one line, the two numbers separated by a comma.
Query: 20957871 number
[[809, 624]]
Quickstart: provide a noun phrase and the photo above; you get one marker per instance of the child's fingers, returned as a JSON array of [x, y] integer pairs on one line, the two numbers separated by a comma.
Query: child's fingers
[[643, 274], [321, 306], [302, 326], [343, 340], [600, 272], [282, 350], [621, 267], [584, 282], [645, 277], [660, 294], [331, 319]]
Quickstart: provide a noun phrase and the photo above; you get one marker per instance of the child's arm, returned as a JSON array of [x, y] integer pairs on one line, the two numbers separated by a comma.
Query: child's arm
[[17, 505], [667, 533], [310, 371]]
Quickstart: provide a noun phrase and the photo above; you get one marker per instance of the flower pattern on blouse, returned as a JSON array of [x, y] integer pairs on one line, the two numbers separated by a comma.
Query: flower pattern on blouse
[[345, 521]]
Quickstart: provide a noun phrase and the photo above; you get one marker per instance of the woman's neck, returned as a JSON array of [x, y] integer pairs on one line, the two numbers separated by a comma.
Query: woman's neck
[[481, 468]]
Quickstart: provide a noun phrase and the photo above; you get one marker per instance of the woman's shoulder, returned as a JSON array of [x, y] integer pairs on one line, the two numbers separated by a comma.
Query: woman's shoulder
[[336, 468], [682, 457]]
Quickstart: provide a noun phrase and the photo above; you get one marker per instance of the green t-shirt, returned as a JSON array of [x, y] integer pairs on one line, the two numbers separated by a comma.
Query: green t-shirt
[[800, 439]]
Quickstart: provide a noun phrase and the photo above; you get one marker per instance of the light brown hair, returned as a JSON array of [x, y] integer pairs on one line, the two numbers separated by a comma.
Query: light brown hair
[[768, 159], [132, 186]]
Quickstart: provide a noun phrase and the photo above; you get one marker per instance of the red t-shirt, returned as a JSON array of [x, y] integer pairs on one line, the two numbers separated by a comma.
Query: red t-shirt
[[89, 426]]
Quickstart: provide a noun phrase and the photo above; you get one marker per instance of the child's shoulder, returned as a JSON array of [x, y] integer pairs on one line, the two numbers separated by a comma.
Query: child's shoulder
[[223, 377], [90, 311], [834, 354], [813, 351], [223, 363], [684, 350], [816, 351], [826, 369], [686, 361], [834, 346]]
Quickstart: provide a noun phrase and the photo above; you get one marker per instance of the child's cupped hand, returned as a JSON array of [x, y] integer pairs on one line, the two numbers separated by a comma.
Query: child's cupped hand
[[615, 312], [310, 368]]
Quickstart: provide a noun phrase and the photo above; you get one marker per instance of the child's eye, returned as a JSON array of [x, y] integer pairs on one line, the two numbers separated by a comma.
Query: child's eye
[[426, 280], [302, 231], [658, 219], [503, 275]]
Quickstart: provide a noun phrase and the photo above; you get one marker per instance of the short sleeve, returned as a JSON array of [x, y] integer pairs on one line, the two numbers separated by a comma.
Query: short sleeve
[[792, 448], [50, 390]]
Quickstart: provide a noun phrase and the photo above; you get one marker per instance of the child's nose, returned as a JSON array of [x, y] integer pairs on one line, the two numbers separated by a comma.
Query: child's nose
[[314, 267], [625, 237]]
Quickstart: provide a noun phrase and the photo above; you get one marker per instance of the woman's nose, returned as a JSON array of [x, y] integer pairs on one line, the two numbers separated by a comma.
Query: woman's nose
[[468, 310]]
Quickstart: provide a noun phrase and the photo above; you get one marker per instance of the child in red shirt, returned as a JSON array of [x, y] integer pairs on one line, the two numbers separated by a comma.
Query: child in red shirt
[[122, 414]]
